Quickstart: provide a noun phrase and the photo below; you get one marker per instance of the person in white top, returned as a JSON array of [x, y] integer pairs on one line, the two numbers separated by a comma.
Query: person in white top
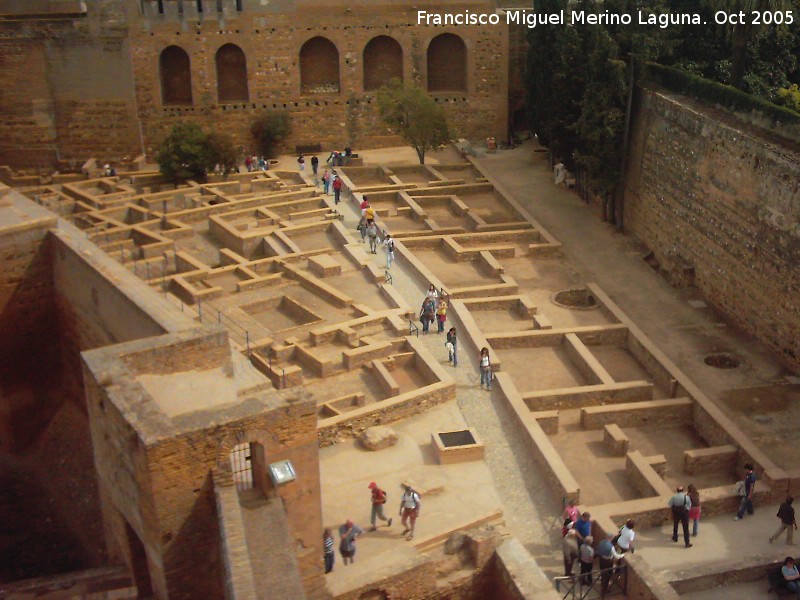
[[485, 366], [389, 243], [409, 510], [626, 536], [433, 294]]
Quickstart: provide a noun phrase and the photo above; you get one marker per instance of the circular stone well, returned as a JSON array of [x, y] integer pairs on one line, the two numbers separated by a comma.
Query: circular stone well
[[722, 360], [575, 299]]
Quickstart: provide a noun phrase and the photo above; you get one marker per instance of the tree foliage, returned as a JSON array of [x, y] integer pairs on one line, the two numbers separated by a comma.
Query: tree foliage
[[416, 117], [741, 34], [269, 130], [579, 78], [185, 153]]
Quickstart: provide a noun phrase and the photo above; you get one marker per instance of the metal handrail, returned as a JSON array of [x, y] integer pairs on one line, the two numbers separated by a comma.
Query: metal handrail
[[576, 590], [412, 328]]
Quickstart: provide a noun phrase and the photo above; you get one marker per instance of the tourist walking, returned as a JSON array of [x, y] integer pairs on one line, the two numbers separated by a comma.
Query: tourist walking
[[348, 534], [327, 545], [301, 162], [452, 339], [569, 547], [372, 234], [586, 554], [432, 293], [748, 485], [427, 314], [409, 510], [378, 500], [694, 511], [485, 366], [441, 315], [326, 182], [337, 188], [626, 537], [679, 505], [388, 242], [314, 164], [788, 522]]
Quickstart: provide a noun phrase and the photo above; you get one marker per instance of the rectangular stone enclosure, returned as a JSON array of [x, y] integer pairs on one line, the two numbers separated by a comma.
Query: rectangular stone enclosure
[[457, 446]]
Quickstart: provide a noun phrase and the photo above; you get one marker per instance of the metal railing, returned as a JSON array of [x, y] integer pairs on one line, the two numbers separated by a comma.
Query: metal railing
[[412, 328], [208, 313], [578, 587]]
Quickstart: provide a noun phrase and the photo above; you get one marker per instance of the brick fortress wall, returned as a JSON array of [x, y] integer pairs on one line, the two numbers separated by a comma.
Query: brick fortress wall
[[272, 37], [708, 193], [67, 91]]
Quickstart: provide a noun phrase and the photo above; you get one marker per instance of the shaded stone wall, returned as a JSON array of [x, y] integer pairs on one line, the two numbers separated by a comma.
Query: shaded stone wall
[[707, 192]]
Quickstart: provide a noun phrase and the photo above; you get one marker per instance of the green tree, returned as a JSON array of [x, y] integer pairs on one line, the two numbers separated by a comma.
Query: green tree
[[416, 117], [184, 154], [222, 151], [601, 124], [742, 34], [790, 97], [269, 130], [555, 82]]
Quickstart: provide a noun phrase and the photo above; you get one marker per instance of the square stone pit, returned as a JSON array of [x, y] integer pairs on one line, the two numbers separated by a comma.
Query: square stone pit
[[457, 446]]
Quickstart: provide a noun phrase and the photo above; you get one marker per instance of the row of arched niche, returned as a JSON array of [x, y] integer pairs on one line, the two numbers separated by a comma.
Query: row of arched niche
[[319, 68]]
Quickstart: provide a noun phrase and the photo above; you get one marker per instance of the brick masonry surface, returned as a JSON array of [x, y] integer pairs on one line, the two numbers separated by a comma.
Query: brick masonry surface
[[720, 199], [92, 85]]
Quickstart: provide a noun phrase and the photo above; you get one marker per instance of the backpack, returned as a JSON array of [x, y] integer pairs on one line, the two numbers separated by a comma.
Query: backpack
[[381, 496], [739, 489]]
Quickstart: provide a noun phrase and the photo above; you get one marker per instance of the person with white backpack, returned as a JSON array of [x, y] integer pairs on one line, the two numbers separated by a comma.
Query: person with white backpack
[[409, 510]]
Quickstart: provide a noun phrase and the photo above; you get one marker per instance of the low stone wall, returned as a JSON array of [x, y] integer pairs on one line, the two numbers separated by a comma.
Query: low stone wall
[[642, 475], [717, 459], [387, 411], [615, 440], [589, 395], [558, 477], [239, 581], [704, 577], [639, 414]]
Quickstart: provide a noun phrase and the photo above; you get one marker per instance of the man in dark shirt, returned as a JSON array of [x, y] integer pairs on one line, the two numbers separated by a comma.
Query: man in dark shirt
[[786, 515], [749, 487]]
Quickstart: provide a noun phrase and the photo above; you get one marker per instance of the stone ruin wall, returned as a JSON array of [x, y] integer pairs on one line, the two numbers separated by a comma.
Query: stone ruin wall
[[88, 84], [272, 42], [67, 90], [706, 195]]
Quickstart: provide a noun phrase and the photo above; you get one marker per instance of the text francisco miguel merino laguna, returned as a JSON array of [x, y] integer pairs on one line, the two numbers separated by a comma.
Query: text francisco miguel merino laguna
[[576, 17]]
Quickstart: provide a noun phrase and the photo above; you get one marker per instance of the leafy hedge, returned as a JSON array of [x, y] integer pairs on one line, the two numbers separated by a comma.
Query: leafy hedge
[[726, 96]]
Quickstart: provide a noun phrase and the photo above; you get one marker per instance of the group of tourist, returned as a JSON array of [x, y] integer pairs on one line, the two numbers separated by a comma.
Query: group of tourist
[[434, 309], [255, 163], [349, 532], [684, 506], [578, 545]]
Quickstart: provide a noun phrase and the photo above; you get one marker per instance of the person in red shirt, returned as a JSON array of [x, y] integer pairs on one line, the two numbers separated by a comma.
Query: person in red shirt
[[378, 500], [337, 189]]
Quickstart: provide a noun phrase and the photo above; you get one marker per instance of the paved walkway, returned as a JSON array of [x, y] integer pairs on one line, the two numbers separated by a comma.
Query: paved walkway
[[529, 508]]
